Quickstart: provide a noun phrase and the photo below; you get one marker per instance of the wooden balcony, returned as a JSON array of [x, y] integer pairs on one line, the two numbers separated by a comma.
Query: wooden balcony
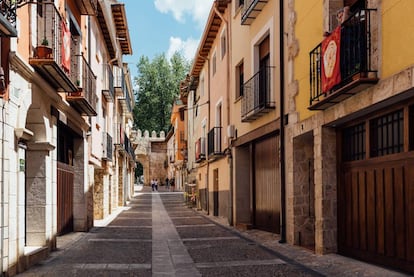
[[251, 9], [84, 99], [257, 98], [356, 63], [87, 7]]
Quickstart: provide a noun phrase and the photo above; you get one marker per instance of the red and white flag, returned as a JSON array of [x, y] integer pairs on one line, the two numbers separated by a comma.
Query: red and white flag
[[331, 52], [66, 37]]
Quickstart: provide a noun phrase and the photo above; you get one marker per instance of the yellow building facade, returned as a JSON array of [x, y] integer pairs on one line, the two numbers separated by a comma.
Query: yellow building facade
[[349, 147]]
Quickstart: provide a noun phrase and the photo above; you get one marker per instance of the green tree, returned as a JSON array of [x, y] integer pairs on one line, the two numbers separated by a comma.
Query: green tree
[[158, 84]]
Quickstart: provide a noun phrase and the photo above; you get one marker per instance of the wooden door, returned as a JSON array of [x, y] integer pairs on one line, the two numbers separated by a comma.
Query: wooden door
[[64, 198], [215, 192], [376, 211], [267, 185]]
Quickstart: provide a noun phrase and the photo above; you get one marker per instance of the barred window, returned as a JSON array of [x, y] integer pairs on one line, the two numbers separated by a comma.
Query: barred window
[[354, 143], [387, 134]]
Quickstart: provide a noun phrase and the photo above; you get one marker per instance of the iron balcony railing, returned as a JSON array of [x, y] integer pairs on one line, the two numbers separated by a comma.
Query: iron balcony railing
[[107, 147], [200, 149], [49, 32], [355, 55], [257, 95], [88, 81], [109, 90], [214, 141], [128, 99], [84, 98], [49, 46], [119, 78], [128, 147], [8, 18], [251, 9]]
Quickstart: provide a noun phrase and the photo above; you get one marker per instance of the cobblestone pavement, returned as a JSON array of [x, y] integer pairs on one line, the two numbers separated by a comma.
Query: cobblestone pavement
[[157, 235]]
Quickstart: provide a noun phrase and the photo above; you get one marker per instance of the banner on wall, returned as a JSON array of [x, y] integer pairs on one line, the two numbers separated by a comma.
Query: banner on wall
[[66, 37], [331, 52]]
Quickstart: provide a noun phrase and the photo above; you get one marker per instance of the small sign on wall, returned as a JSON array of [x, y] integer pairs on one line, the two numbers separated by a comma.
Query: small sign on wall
[[22, 164]]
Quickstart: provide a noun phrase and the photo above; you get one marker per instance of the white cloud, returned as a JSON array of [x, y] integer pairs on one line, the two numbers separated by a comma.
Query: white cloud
[[186, 47], [197, 9]]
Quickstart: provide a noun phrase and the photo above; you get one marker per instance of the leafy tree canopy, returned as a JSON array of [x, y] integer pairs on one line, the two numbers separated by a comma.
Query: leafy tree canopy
[[158, 85]]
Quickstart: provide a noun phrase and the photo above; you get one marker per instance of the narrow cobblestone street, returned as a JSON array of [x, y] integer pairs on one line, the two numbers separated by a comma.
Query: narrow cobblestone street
[[157, 235]]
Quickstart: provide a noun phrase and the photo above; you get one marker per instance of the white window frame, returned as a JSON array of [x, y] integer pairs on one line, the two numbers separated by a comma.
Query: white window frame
[[266, 31], [223, 43]]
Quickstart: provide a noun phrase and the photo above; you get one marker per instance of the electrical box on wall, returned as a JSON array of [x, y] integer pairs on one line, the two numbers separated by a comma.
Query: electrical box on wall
[[231, 131]]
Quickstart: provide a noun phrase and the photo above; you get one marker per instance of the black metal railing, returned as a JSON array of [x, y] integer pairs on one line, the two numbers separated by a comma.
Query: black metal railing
[[251, 8], [214, 141], [119, 78], [257, 94], [49, 31], [109, 80], [200, 149], [128, 98], [84, 79], [107, 146], [128, 146], [8, 17], [355, 54]]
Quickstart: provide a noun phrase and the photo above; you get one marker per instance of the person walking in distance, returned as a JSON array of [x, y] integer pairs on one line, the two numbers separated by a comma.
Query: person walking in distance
[[167, 183], [156, 184], [172, 183]]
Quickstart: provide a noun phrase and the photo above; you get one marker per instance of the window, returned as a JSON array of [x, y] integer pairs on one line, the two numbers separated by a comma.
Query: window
[[353, 138], [239, 3], [387, 134], [239, 80], [202, 86], [214, 63], [223, 43]]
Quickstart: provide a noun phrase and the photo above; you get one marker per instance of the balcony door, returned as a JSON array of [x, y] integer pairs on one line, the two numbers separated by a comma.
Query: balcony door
[[264, 81]]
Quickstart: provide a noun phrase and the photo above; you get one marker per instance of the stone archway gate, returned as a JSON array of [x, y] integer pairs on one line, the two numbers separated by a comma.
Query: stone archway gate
[[151, 152]]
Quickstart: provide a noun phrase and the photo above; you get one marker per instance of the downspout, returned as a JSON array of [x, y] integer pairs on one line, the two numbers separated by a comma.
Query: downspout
[[2, 184], [282, 126], [227, 26], [208, 128]]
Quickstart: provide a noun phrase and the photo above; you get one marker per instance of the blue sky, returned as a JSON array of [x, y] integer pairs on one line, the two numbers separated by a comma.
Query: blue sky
[[164, 26]]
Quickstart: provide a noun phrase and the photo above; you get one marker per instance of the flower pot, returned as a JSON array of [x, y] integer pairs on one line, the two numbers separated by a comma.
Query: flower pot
[[43, 52]]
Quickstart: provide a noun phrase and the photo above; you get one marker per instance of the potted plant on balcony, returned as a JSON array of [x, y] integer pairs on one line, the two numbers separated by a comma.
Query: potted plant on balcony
[[43, 51]]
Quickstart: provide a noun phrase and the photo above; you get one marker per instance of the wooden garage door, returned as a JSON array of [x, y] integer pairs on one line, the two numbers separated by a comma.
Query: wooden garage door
[[267, 185], [64, 198], [376, 190]]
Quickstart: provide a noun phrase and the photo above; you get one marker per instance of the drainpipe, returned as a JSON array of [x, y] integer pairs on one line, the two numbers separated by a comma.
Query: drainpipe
[[282, 126], [228, 111], [3, 112], [208, 127]]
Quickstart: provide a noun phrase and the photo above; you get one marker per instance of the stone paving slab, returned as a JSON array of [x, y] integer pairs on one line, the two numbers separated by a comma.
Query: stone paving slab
[[202, 232], [259, 270], [131, 222], [122, 233], [226, 250]]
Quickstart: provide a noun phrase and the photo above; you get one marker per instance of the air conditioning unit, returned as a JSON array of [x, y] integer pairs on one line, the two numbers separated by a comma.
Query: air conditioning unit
[[231, 131]]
